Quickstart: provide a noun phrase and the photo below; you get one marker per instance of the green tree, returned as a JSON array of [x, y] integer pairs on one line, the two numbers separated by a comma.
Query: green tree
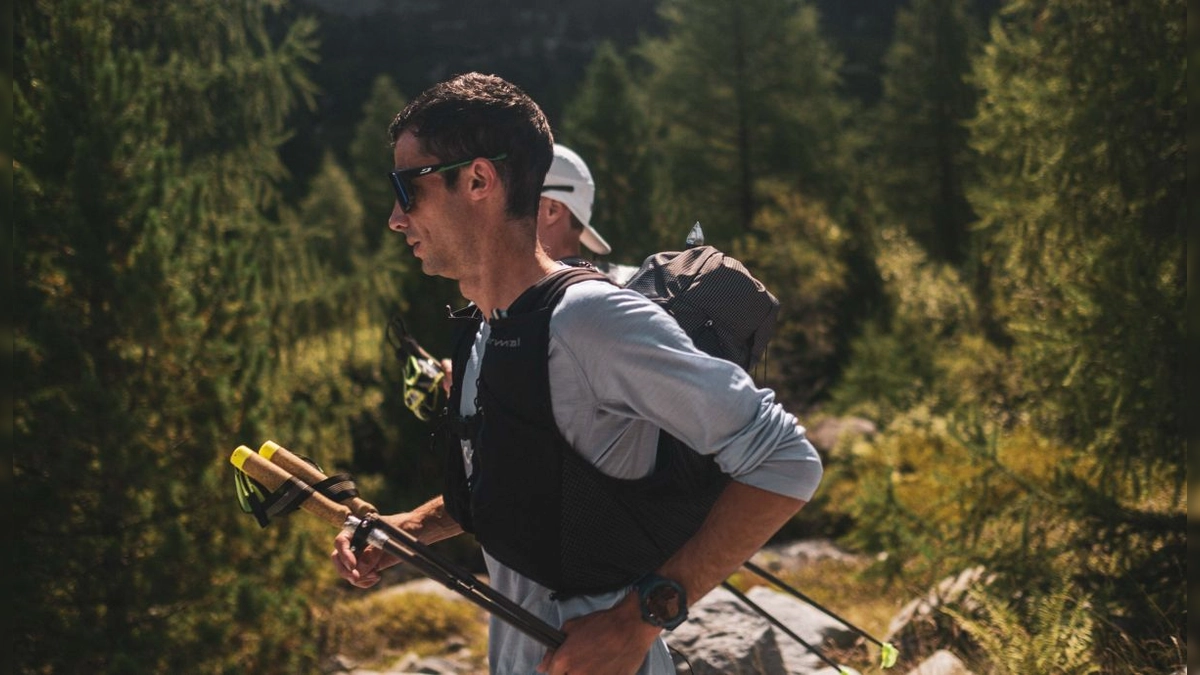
[[388, 440], [607, 125], [742, 92], [922, 157], [799, 252], [371, 157], [152, 338], [1082, 194]]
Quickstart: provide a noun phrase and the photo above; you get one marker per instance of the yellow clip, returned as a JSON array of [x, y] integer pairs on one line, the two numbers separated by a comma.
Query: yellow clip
[[238, 458], [268, 449]]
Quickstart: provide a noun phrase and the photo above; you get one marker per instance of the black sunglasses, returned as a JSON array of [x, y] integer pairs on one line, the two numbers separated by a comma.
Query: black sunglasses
[[402, 180]]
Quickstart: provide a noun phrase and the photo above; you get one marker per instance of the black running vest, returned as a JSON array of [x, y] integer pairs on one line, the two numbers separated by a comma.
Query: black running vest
[[532, 501]]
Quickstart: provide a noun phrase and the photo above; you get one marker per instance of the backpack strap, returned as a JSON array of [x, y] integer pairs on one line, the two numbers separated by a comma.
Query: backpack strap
[[549, 290]]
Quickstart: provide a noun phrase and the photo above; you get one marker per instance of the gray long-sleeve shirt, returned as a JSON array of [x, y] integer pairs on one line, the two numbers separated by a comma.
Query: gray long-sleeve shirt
[[621, 368]]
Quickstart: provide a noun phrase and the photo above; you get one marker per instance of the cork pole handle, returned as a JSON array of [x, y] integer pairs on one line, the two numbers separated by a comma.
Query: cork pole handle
[[291, 463], [272, 476]]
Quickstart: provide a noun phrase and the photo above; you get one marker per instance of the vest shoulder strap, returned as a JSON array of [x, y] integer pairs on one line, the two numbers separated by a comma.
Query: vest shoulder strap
[[549, 290]]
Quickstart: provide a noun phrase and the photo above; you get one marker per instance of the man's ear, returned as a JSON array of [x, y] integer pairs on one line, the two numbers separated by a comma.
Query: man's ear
[[482, 178]]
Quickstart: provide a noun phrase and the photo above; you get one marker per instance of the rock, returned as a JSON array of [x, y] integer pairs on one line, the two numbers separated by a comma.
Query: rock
[[921, 627], [338, 664], [810, 624], [941, 662], [437, 665], [719, 638], [829, 432], [794, 555], [723, 635]]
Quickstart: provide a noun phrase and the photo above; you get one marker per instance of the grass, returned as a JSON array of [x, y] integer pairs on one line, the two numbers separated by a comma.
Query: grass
[[382, 626]]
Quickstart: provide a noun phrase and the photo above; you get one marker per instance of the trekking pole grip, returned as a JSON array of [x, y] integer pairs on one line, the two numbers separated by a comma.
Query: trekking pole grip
[[272, 477], [307, 472]]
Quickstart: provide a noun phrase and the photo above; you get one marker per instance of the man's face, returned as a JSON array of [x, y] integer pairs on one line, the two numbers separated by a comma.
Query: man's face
[[436, 225]]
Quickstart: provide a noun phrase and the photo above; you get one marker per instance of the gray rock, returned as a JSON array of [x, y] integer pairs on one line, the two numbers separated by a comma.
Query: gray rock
[[725, 636], [719, 638], [338, 664], [810, 624], [829, 432], [920, 627], [941, 662], [437, 665]]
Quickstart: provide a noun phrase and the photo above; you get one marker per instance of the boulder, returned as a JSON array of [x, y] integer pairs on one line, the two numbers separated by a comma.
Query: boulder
[[719, 638], [724, 636], [829, 432], [921, 627], [941, 662]]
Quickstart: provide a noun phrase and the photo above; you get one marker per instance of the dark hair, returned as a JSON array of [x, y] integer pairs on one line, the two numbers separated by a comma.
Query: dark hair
[[475, 115]]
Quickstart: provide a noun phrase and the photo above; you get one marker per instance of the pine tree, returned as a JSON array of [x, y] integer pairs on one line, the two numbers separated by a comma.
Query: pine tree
[[923, 161], [1081, 133], [371, 157], [388, 440], [607, 125], [742, 92], [147, 343]]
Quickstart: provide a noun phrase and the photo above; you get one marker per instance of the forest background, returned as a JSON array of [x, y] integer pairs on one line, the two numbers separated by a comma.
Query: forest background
[[974, 214]]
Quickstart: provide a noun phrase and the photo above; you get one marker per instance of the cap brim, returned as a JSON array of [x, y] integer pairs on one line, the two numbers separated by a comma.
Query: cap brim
[[594, 242]]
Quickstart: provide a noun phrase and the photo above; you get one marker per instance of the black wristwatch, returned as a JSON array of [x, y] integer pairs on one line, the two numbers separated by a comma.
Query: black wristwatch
[[663, 601]]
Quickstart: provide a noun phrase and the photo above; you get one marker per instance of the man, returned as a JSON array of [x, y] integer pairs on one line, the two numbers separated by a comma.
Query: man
[[565, 213], [470, 157]]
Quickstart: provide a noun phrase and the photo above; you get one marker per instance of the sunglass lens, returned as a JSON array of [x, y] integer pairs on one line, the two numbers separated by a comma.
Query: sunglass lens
[[403, 191]]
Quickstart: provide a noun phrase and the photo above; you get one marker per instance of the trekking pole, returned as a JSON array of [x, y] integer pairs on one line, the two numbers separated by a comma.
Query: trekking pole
[[842, 670], [887, 651], [341, 488], [297, 493]]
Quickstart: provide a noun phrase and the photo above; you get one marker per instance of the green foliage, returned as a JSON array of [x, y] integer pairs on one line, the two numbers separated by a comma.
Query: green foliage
[[1053, 633], [799, 251], [388, 440], [927, 333], [741, 92], [370, 158], [156, 331], [921, 157], [398, 622], [606, 123], [1082, 194]]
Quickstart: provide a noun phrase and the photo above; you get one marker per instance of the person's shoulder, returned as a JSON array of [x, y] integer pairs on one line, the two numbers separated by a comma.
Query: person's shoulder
[[594, 308], [600, 296]]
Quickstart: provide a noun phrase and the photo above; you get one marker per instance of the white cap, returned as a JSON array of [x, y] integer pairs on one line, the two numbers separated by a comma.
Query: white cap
[[569, 181]]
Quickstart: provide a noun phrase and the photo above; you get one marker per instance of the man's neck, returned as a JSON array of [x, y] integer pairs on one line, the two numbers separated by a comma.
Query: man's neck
[[505, 271]]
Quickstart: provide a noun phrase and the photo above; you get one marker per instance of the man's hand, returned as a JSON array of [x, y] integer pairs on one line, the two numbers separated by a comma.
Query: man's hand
[[609, 642], [428, 523], [362, 569], [448, 380]]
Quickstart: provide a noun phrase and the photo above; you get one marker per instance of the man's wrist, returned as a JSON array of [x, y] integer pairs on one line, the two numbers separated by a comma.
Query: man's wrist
[[631, 607], [663, 602]]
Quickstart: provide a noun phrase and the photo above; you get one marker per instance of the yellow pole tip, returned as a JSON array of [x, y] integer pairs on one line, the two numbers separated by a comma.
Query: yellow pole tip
[[268, 449], [238, 458]]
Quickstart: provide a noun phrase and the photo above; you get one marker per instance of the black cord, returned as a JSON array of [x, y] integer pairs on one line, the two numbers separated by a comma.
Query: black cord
[[675, 652]]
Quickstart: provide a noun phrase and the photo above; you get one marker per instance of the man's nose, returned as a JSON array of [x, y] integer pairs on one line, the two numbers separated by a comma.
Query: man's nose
[[398, 221]]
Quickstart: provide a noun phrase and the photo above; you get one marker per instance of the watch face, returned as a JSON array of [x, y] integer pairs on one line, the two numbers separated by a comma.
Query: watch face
[[663, 602]]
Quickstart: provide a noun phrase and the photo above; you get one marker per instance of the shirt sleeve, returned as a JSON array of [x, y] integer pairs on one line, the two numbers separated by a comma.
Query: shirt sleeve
[[634, 361]]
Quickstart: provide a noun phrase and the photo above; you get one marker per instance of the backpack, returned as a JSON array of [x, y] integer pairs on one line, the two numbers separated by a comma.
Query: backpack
[[726, 311]]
